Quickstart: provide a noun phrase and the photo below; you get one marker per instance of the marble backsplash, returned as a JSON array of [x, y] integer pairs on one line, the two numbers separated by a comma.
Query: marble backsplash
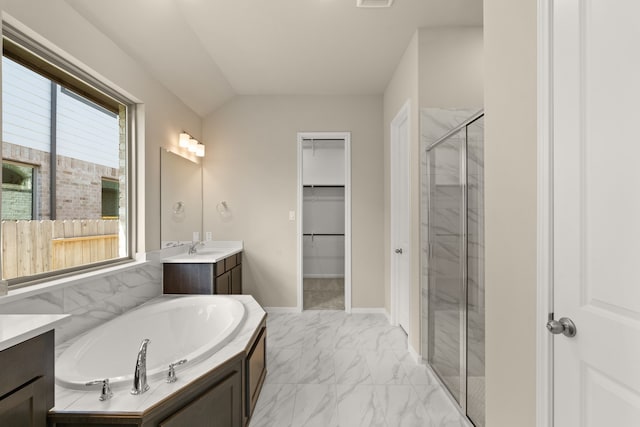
[[95, 300]]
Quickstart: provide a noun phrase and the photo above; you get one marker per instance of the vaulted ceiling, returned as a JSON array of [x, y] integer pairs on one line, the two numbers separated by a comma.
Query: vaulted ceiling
[[207, 51]]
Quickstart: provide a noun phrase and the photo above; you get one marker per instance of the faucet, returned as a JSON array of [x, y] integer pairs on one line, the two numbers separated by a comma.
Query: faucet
[[193, 246], [140, 374]]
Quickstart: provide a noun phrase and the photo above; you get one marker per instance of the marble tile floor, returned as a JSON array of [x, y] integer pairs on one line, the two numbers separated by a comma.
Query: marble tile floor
[[328, 368], [323, 294]]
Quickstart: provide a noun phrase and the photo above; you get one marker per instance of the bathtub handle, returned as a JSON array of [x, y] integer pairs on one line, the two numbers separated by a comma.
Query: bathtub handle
[[106, 392], [171, 375]]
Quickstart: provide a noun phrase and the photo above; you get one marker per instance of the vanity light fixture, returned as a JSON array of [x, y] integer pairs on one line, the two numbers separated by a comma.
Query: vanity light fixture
[[188, 143]]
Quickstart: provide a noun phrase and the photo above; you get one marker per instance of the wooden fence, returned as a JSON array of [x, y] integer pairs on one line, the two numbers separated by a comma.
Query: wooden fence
[[32, 247]]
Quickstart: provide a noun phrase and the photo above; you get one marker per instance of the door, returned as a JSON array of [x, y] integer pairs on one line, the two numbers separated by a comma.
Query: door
[[596, 211], [447, 263], [400, 216]]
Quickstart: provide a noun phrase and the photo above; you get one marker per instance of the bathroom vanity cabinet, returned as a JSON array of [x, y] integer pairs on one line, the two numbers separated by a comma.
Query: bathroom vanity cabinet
[[27, 387], [222, 277]]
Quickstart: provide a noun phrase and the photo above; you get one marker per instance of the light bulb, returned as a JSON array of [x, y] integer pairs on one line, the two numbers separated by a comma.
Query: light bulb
[[184, 140]]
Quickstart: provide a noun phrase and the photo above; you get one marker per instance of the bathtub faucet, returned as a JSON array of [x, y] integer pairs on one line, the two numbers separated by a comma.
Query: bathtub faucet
[[140, 375]]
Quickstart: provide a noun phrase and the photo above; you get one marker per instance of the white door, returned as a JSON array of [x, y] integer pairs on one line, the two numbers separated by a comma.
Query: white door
[[400, 216], [596, 204]]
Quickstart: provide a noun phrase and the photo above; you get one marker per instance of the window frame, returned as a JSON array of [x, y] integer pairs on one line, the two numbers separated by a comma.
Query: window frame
[[63, 71]]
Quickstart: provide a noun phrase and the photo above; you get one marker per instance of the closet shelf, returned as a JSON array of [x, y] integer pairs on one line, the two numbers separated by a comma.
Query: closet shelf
[[323, 234], [323, 186]]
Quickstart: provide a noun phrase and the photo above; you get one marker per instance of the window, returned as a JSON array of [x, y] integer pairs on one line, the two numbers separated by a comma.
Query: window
[[18, 191], [110, 198], [64, 162]]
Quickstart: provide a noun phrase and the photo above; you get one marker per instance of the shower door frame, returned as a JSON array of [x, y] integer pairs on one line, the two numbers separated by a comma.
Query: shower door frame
[[463, 306]]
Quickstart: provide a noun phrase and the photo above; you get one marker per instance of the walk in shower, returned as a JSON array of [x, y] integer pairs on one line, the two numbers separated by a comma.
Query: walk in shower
[[453, 250]]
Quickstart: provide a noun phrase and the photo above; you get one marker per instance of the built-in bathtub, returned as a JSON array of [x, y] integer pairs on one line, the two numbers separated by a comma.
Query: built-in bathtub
[[185, 327]]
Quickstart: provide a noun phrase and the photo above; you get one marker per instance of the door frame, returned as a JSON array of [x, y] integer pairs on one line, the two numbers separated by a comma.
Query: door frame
[[544, 342], [404, 114], [347, 213]]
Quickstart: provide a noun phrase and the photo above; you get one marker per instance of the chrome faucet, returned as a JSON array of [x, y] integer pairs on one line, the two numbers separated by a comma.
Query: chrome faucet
[[140, 374], [193, 247]]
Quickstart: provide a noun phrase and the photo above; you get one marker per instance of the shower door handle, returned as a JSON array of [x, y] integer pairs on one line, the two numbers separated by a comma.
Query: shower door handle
[[398, 251]]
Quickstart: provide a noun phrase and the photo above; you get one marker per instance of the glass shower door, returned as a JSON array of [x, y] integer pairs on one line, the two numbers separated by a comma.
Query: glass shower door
[[447, 262]]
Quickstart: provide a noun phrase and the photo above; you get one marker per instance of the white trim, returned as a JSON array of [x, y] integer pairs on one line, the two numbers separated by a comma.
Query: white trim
[[346, 136], [404, 114], [281, 309], [544, 343], [417, 357], [369, 310], [323, 276]]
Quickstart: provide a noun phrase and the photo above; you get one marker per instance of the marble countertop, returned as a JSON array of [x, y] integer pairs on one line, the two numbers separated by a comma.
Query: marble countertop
[[67, 400], [17, 328], [208, 253]]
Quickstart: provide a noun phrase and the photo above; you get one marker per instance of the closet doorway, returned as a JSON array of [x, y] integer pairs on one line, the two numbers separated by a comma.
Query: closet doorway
[[324, 221]]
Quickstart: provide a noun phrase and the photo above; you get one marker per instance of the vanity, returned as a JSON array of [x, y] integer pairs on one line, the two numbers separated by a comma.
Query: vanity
[[215, 268], [26, 368]]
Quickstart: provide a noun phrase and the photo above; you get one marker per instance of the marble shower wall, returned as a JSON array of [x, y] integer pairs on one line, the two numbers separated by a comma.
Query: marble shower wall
[[95, 300]]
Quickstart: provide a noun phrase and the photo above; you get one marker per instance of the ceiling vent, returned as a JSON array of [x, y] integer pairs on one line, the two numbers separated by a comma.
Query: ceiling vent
[[374, 3]]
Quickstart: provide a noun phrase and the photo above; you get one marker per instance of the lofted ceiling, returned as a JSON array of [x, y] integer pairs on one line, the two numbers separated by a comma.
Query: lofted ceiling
[[207, 51]]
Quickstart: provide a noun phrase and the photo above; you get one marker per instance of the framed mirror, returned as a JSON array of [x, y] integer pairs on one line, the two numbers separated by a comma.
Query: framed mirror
[[180, 199]]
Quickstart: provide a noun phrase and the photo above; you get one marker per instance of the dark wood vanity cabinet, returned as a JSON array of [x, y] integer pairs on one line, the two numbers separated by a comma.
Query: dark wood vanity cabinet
[[27, 382], [222, 277], [255, 369]]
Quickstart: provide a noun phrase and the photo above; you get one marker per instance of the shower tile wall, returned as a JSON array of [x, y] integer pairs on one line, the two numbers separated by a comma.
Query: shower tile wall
[[93, 301]]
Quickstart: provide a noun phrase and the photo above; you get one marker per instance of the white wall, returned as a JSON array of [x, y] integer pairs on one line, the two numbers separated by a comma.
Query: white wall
[[451, 62], [61, 28], [510, 207], [251, 164]]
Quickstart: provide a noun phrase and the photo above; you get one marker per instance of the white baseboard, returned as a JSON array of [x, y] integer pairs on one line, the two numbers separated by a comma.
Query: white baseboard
[[415, 355], [281, 309], [370, 310], [323, 276]]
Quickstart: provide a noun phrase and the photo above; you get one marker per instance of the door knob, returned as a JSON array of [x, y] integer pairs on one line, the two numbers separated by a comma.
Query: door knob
[[398, 251], [563, 326]]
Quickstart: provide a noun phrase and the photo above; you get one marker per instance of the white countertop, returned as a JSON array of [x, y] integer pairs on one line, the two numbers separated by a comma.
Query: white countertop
[[17, 328], [67, 400], [208, 253]]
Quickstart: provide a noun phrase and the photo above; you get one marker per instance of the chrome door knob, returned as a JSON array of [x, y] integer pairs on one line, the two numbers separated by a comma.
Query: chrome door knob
[[398, 251], [563, 326]]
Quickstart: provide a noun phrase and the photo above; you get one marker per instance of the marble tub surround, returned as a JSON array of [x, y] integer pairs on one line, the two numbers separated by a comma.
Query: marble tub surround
[[329, 368], [93, 300], [208, 252], [17, 328], [68, 400]]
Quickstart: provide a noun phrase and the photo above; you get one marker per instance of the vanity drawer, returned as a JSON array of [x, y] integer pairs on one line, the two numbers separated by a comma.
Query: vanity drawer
[[230, 262]]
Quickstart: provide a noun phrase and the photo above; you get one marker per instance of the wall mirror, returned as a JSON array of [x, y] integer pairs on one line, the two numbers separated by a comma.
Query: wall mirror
[[180, 199]]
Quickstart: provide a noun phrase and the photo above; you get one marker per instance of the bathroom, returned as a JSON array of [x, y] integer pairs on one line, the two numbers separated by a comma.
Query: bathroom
[[250, 162]]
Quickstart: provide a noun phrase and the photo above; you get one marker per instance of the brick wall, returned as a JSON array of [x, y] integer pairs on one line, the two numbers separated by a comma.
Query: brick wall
[[78, 183]]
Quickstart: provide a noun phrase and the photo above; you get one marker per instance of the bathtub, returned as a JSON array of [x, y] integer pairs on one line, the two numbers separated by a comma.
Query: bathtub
[[179, 327]]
